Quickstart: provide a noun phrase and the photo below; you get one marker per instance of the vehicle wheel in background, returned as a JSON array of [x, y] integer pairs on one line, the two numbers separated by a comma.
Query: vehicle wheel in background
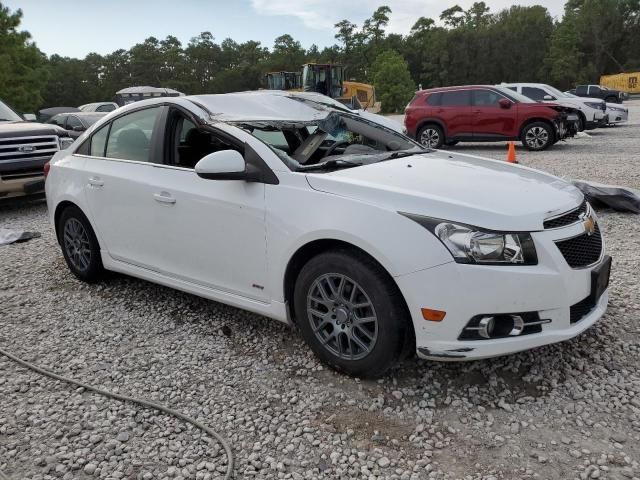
[[582, 122], [537, 136], [430, 136], [351, 313], [79, 245]]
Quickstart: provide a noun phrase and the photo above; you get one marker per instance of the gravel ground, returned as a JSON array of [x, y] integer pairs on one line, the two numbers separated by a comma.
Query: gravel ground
[[570, 410]]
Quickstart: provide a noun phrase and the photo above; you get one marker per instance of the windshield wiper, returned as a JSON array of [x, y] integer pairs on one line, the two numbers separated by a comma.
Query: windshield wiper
[[404, 154], [329, 164]]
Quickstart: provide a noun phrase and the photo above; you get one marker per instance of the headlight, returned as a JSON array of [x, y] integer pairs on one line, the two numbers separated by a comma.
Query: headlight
[[65, 142], [597, 106], [468, 244]]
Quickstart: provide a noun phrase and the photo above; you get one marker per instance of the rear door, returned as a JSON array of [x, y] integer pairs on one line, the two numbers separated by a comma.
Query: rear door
[[454, 111], [123, 158], [491, 121]]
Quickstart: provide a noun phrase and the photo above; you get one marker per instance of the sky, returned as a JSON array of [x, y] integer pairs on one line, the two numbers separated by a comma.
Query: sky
[[75, 29]]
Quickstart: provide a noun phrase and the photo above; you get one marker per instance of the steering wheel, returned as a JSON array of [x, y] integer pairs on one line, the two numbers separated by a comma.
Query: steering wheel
[[334, 146]]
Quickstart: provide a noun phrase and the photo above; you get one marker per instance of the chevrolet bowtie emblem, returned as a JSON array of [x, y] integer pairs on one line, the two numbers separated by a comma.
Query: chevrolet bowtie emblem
[[589, 225]]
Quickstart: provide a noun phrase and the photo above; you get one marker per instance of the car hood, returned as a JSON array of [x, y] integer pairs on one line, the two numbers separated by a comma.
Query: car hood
[[457, 187], [29, 129]]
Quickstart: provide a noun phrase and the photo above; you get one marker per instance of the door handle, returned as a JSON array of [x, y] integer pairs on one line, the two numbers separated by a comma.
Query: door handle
[[164, 197], [96, 182]]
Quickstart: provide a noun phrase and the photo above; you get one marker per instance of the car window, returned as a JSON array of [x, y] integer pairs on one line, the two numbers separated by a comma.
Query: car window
[[593, 90], [535, 93], [191, 144], [130, 136], [456, 98], [486, 98], [98, 142], [105, 108], [434, 99], [72, 121], [58, 120], [581, 90], [515, 89]]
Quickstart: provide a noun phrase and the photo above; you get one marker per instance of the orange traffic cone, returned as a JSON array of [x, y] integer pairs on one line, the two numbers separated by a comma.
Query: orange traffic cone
[[511, 155]]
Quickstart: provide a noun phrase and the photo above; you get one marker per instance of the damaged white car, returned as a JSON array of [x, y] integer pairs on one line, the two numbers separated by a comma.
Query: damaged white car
[[373, 246]]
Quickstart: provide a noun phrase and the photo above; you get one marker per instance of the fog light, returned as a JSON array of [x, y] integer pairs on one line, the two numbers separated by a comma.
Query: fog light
[[500, 326], [486, 326]]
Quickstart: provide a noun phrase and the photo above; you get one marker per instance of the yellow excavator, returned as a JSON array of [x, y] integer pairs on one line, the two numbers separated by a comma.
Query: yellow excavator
[[327, 79]]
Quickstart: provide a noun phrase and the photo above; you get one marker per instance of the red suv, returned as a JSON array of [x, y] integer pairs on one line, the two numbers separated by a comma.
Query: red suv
[[480, 113]]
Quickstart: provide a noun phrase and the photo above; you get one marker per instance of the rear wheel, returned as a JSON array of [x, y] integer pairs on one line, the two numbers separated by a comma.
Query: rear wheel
[[351, 313], [79, 245], [537, 136], [431, 136]]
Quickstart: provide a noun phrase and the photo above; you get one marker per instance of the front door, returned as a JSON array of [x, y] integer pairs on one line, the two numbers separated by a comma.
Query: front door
[[209, 232]]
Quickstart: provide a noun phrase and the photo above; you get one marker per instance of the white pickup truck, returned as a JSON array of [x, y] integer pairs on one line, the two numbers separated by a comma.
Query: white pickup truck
[[592, 111]]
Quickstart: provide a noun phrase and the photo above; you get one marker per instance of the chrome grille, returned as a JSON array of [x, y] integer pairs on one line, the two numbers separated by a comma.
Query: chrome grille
[[567, 218], [583, 250], [28, 148]]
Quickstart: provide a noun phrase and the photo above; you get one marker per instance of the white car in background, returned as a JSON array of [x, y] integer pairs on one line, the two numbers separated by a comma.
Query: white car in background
[[372, 245], [616, 113], [592, 111], [105, 107]]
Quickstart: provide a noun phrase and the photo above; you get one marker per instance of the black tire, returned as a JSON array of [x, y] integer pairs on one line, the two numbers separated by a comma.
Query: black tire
[[537, 136], [582, 122], [431, 136], [87, 263], [451, 143], [389, 332]]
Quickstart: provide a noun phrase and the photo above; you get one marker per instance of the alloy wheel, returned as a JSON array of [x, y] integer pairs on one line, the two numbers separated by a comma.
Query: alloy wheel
[[430, 137], [537, 137], [76, 244], [342, 316]]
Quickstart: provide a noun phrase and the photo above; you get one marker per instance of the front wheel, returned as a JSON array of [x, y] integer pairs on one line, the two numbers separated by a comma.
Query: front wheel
[[537, 136], [431, 136], [350, 313]]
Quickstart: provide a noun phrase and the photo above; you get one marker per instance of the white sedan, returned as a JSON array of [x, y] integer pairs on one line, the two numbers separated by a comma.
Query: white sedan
[[371, 245]]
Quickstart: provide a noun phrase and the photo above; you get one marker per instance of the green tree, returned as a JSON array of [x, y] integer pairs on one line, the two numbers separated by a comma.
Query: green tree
[[23, 72], [392, 80]]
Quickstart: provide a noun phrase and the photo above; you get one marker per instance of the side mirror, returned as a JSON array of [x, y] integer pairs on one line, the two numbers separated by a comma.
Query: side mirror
[[29, 117], [223, 165], [548, 97], [504, 103], [78, 128]]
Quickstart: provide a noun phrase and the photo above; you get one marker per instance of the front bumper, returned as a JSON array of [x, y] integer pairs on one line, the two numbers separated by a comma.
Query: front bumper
[[465, 291], [618, 116]]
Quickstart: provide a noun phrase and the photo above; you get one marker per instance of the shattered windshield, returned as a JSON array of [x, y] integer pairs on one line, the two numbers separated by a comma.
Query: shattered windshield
[[340, 140]]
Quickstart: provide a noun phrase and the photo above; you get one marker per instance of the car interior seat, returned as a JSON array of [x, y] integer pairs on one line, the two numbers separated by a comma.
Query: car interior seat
[[133, 144]]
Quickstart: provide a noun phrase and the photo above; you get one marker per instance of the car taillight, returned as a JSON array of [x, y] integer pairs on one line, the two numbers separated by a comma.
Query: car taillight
[[47, 167]]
